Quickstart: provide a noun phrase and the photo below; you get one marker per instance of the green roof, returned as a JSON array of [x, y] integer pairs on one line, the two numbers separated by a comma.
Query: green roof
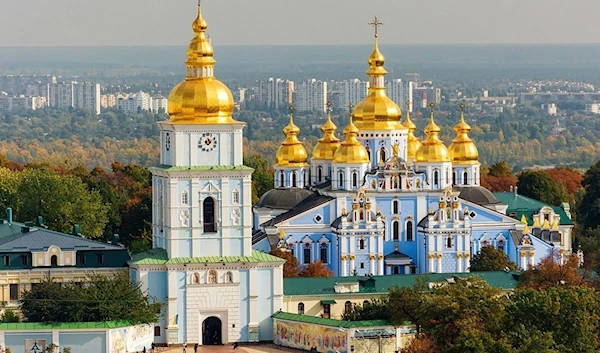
[[328, 301], [170, 168], [159, 257], [523, 205], [325, 285], [63, 326], [329, 322]]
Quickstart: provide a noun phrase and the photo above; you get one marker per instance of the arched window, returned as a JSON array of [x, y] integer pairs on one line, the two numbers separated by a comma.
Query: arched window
[[453, 178], [212, 277], [306, 254], [436, 178], [229, 277], [208, 215], [347, 307], [465, 178], [449, 241], [54, 261], [354, 179], [319, 174], [409, 231], [195, 278], [300, 308], [369, 153], [294, 179], [303, 178], [395, 207], [361, 244], [501, 245], [341, 179], [395, 231], [324, 252], [184, 197], [281, 179], [236, 196], [382, 154]]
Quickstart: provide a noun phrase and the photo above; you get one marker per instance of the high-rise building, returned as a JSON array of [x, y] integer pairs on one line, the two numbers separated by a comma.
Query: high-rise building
[[354, 91], [133, 103], [311, 95], [400, 91], [274, 92], [159, 104]]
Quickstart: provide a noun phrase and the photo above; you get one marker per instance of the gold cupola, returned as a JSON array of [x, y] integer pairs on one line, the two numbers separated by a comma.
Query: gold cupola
[[291, 153], [412, 141], [377, 111], [463, 149], [351, 151], [432, 149], [328, 144], [200, 98]]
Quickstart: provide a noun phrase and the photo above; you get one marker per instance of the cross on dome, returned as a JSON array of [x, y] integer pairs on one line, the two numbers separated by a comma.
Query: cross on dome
[[376, 25]]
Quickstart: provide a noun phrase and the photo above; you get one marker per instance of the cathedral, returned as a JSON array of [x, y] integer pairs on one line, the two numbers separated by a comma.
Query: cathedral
[[382, 201]]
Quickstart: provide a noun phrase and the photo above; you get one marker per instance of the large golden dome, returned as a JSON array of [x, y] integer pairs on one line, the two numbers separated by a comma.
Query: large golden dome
[[328, 144], [412, 141], [200, 98], [463, 149], [291, 153], [432, 149], [377, 111], [351, 151]]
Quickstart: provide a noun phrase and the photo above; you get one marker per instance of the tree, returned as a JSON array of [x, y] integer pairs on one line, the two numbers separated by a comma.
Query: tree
[[316, 269], [422, 344], [376, 309], [9, 316], [491, 259], [540, 186], [589, 209], [262, 178], [550, 272], [500, 169], [291, 267]]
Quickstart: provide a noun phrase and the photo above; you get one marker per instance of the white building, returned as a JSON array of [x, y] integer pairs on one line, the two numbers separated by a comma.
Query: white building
[[133, 103], [159, 104], [400, 92], [549, 108], [311, 95], [67, 95], [592, 108], [21, 102], [274, 92], [353, 91]]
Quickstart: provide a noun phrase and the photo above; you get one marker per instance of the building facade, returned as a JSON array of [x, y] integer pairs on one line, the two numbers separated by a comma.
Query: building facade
[[311, 95]]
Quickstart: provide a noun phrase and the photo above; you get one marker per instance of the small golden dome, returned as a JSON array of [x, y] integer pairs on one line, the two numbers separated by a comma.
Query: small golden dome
[[291, 153], [351, 151], [201, 98], [328, 144], [377, 111], [463, 149], [432, 149], [412, 141]]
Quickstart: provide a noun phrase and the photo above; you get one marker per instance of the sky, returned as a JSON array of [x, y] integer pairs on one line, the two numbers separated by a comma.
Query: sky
[[297, 22]]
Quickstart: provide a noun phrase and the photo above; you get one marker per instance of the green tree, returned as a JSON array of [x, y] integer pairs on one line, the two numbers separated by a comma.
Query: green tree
[[491, 259], [9, 316], [540, 186], [589, 209], [262, 178], [500, 169]]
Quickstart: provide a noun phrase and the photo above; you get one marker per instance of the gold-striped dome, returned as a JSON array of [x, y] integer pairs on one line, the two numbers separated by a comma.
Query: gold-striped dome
[[413, 143], [463, 149], [291, 153], [432, 149], [328, 144], [200, 98], [351, 151], [377, 111]]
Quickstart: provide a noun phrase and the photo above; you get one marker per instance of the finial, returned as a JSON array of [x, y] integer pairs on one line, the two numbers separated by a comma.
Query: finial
[[407, 103], [376, 24], [281, 234], [462, 112], [291, 109], [329, 106], [431, 107]]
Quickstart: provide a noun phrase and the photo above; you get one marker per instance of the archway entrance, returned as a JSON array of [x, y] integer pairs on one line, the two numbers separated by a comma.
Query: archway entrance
[[211, 331]]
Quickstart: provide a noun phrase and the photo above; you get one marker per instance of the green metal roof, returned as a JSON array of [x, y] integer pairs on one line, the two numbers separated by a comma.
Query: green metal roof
[[328, 301], [159, 257], [325, 285], [62, 326], [523, 205], [329, 322], [170, 168]]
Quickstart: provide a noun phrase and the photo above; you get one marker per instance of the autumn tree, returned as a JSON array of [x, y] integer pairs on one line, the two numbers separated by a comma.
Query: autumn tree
[[291, 268], [262, 178], [316, 269], [552, 272], [589, 209], [498, 177], [491, 259], [540, 186], [422, 344]]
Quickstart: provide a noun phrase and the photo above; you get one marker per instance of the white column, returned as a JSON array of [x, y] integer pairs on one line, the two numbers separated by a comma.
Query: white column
[[531, 258], [406, 269], [523, 263], [372, 264], [459, 263], [380, 269], [439, 263], [343, 270], [467, 262], [430, 269], [352, 266], [253, 295]]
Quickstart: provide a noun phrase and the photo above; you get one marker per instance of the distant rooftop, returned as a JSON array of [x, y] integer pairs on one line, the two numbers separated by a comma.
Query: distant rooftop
[[523, 205]]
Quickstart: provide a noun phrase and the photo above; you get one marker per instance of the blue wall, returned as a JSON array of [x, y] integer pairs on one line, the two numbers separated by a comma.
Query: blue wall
[[244, 305], [264, 303], [16, 341], [89, 342], [157, 287]]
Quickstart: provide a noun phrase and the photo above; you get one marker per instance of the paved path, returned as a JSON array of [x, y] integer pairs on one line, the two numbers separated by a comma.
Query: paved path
[[221, 349]]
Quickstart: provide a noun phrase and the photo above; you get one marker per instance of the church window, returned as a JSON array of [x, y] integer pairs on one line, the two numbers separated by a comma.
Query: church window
[[436, 178], [465, 178], [156, 331], [501, 245], [361, 244], [209, 217], [184, 197], [319, 174], [395, 231], [212, 277], [300, 308], [395, 206], [229, 277], [362, 215], [281, 179], [354, 179], [347, 307], [409, 231], [306, 253], [304, 177], [449, 242], [454, 178], [382, 154], [236, 196], [294, 179], [341, 179], [369, 153], [362, 265], [195, 278], [6, 260], [324, 252], [326, 311], [396, 270]]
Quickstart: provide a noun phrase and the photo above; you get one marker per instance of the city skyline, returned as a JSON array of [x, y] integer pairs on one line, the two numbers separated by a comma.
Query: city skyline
[[239, 22]]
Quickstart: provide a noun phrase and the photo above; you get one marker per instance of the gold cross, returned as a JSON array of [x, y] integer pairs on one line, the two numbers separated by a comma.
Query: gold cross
[[376, 24], [431, 105], [329, 105], [350, 106], [407, 102], [291, 109], [462, 107]]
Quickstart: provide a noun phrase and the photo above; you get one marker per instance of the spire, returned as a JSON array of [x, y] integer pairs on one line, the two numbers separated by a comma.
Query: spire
[[376, 60], [463, 148], [200, 51], [555, 224], [536, 222], [523, 218], [432, 149], [291, 152], [526, 230], [325, 148]]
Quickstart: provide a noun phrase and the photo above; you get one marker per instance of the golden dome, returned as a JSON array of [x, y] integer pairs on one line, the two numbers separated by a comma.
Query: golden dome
[[463, 149], [412, 141], [200, 98], [351, 151], [432, 149], [328, 144], [291, 153], [377, 111]]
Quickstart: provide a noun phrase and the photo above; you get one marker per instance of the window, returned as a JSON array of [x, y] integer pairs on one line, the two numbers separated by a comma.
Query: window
[[306, 254], [319, 173], [465, 178], [324, 253], [236, 196], [281, 179], [81, 257], [156, 331], [100, 259], [395, 207], [300, 308], [6, 259], [347, 307], [212, 277], [195, 278], [501, 245], [409, 231], [395, 231], [369, 153], [229, 277], [341, 179], [208, 213], [454, 178], [362, 265], [24, 260], [294, 179], [354, 179], [326, 311], [53, 261], [184, 197], [396, 270], [449, 242], [361, 244], [436, 178], [382, 154], [14, 292]]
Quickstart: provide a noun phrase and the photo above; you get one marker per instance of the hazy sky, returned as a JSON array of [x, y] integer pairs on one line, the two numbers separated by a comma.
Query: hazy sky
[[231, 22]]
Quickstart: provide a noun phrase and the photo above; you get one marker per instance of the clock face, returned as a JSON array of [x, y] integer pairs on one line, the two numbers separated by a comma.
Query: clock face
[[168, 142], [207, 142]]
